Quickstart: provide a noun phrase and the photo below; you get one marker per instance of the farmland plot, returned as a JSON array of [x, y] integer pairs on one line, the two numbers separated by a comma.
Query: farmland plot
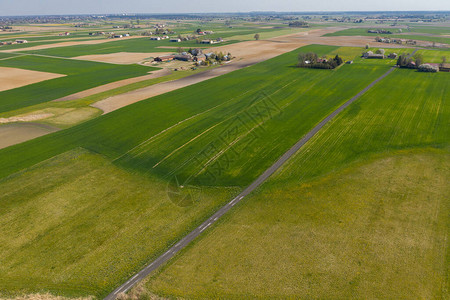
[[360, 212], [102, 242], [81, 75]]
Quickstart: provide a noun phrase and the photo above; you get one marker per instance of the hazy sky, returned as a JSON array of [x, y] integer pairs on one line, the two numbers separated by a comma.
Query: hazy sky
[[41, 7]]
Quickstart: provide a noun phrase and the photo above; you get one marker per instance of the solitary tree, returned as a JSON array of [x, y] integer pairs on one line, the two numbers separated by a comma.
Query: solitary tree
[[444, 60], [257, 36], [367, 46], [418, 59]]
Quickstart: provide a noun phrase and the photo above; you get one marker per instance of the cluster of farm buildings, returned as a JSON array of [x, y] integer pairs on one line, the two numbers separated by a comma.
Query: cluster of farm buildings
[[380, 54], [194, 55], [14, 42], [395, 41]]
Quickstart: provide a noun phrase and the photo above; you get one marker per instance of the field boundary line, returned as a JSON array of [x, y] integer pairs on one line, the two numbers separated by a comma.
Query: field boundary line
[[172, 251]]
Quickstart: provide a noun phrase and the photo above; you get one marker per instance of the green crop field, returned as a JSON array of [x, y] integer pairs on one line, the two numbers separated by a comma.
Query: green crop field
[[311, 93], [73, 112], [100, 243], [436, 30], [434, 56], [395, 34], [77, 225], [360, 212], [6, 55], [81, 75]]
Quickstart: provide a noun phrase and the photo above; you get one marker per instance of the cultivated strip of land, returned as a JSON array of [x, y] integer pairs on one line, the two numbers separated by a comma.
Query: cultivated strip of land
[[222, 211]]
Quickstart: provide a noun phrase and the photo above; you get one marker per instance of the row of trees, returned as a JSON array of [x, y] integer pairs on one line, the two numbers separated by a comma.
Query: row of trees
[[404, 61], [298, 24], [312, 60]]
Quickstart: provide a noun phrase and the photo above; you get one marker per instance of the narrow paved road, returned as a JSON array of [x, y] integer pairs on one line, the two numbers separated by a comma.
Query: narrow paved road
[[211, 220]]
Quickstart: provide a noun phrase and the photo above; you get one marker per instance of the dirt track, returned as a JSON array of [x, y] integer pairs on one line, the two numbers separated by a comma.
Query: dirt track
[[11, 78]]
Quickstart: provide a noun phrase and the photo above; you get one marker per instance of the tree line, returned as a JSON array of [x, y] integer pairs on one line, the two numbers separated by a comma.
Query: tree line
[[312, 60]]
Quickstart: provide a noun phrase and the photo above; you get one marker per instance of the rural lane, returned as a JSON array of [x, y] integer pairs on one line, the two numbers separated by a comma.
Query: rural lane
[[222, 211]]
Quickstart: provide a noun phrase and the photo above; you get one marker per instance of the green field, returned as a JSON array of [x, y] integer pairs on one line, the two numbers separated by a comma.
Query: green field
[[81, 75], [360, 212], [73, 112], [89, 225], [233, 100], [102, 242], [436, 30], [395, 34], [6, 55], [434, 56]]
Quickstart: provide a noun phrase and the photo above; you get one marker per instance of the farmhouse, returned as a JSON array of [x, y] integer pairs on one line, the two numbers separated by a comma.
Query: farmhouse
[[196, 51], [118, 36], [155, 38], [200, 58], [184, 57], [218, 40], [164, 58], [370, 54], [175, 40], [21, 41], [392, 55], [381, 31], [444, 67]]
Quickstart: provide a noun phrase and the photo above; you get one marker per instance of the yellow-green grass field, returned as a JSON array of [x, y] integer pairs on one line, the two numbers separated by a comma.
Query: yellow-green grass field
[[97, 210], [360, 212], [76, 225], [372, 231], [434, 56]]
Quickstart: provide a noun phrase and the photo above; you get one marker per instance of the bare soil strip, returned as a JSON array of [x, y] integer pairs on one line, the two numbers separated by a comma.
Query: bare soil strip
[[11, 134], [121, 57], [11, 78], [26, 118], [113, 85]]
